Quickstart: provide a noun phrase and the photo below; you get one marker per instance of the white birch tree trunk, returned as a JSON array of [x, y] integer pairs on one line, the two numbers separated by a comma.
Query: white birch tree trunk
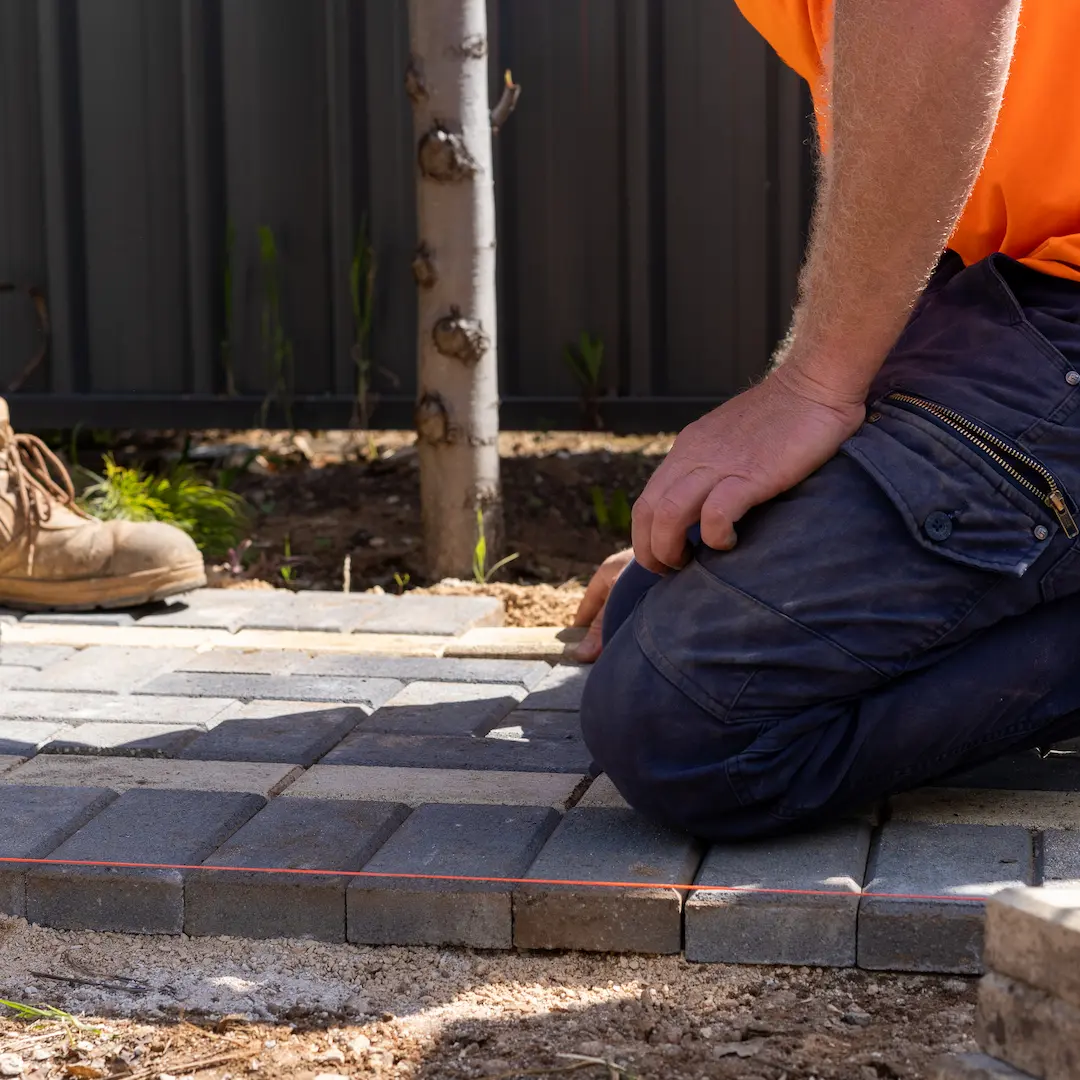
[[457, 411]]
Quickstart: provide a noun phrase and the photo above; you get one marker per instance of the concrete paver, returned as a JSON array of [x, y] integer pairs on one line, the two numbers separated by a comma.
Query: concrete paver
[[560, 691], [33, 656], [1058, 771], [107, 708], [1061, 859], [122, 740], [245, 661], [7, 761], [959, 806], [523, 725], [915, 916], [445, 708], [292, 834], [442, 615], [366, 693], [177, 827], [105, 669], [456, 841], [602, 845], [26, 737], [527, 673]]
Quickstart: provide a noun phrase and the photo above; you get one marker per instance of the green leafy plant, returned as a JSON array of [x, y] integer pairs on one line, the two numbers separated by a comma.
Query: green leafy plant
[[46, 1012], [402, 582], [287, 570], [362, 294], [214, 518], [482, 574], [612, 514], [227, 311], [586, 363], [277, 347]]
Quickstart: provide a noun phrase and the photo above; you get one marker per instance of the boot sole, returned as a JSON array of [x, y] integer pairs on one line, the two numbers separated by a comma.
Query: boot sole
[[104, 593]]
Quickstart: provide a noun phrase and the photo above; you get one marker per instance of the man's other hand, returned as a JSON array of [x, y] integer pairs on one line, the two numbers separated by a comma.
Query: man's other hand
[[590, 611]]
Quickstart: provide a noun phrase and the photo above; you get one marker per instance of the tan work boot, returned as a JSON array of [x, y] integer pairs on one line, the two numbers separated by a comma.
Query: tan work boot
[[52, 555]]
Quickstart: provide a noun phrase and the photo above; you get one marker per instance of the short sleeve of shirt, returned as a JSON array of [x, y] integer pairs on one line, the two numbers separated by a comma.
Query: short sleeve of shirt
[[796, 29]]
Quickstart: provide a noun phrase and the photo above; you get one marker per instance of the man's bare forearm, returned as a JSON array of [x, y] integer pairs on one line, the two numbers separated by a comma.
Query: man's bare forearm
[[914, 88]]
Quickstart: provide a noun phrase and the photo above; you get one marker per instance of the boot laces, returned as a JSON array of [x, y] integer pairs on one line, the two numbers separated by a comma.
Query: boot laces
[[39, 479]]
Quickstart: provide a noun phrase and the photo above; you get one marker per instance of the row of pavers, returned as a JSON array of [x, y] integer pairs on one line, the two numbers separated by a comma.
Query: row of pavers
[[903, 896], [233, 610], [291, 706], [1028, 1015]]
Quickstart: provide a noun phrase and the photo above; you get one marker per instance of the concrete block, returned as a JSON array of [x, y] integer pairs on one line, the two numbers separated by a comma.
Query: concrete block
[[304, 834], [76, 708], [959, 806], [36, 820], [33, 656], [332, 612], [363, 747], [527, 673], [602, 792], [415, 787], [918, 913], [598, 845], [1028, 1028], [445, 708], [366, 693], [1034, 935], [246, 661], [120, 774], [756, 926], [209, 609], [8, 762], [12, 677], [175, 827], [517, 643], [1061, 859], [105, 669], [24, 738], [454, 841], [121, 740], [1029, 771], [274, 731], [561, 691], [80, 618], [974, 1067], [443, 615], [524, 726]]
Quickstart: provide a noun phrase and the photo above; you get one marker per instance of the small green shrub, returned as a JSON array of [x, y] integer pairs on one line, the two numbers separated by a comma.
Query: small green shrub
[[612, 514], [214, 518], [482, 573]]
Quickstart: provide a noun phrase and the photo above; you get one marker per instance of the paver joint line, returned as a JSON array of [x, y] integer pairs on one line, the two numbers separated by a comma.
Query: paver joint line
[[491, 880]]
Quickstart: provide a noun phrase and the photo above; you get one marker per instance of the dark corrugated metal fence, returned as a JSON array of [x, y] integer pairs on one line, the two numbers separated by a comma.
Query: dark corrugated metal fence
[[652, 186]]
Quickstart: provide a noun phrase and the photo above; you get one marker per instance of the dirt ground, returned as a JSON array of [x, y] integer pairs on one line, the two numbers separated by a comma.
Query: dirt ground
[[322, 496], [213, 1009]]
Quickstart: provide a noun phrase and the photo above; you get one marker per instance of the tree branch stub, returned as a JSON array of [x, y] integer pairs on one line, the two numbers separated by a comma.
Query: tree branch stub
[[424, 271], [433, 424], [460, 338], [444, 157]]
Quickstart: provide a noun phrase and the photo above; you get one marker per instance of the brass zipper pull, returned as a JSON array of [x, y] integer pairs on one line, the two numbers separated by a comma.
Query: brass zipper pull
[[1057, 503]]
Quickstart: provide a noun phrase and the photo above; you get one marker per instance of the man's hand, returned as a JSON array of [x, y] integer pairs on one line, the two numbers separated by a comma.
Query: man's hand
[[590, 612], [747, 451]]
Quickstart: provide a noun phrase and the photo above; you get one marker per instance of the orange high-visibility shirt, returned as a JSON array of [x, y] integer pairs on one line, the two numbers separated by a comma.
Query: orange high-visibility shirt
[[1026, 202]]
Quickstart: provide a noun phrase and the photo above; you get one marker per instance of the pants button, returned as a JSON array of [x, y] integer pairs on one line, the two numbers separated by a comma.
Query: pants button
[[938, 526]]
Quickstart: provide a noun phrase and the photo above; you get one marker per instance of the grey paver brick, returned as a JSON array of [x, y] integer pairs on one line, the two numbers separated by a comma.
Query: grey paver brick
[[975, 806], [303, 834], [415, 787], [443, 615], [12, 677], [363, 747], [22, 738], [81, 618], [134, 740], [246, 661], [602, 792], [607, 845], [453, 840], [560, 691], [1061, 858], [443, 708], [36, 820], [8, 762], [108, 669], [762, 927], [334, 612], [275, 731], [33, 656], [527, 673], [974, 1067], [1058, 771], [545, 726], [1028, 1028], [178, 827], [1034, 935], [107, 708], [366, 693], [943, 863], [122, 773], [210, 609]]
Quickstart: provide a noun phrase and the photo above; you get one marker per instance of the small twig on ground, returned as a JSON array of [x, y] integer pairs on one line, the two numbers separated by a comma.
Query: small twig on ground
[[192, 1065], [129, 986]]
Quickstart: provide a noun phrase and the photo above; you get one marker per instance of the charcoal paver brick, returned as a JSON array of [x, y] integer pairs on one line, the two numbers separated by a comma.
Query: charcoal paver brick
[[107, 669], [366, 693], [1061, 858], [527, 673], [1058, 771], [289, 834], [78, 708], [442, 615], [450, 840], [757, 926], [607, 845], [545, 726], [945, 864], [36, 820], [275, 731], [560, 691], [363, 747], [134, 740], [122, 773], [441, 708], [27, 737], [33, 656], [176, 827]]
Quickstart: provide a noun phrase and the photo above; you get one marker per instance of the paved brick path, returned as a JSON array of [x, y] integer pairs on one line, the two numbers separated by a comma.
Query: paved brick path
[[408, 736]]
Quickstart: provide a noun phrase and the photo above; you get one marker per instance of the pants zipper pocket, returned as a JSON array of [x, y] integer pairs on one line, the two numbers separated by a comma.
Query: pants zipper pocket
[[1031, 477]]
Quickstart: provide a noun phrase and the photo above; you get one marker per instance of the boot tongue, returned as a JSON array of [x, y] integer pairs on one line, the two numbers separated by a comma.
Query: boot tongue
[[5, 422]]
